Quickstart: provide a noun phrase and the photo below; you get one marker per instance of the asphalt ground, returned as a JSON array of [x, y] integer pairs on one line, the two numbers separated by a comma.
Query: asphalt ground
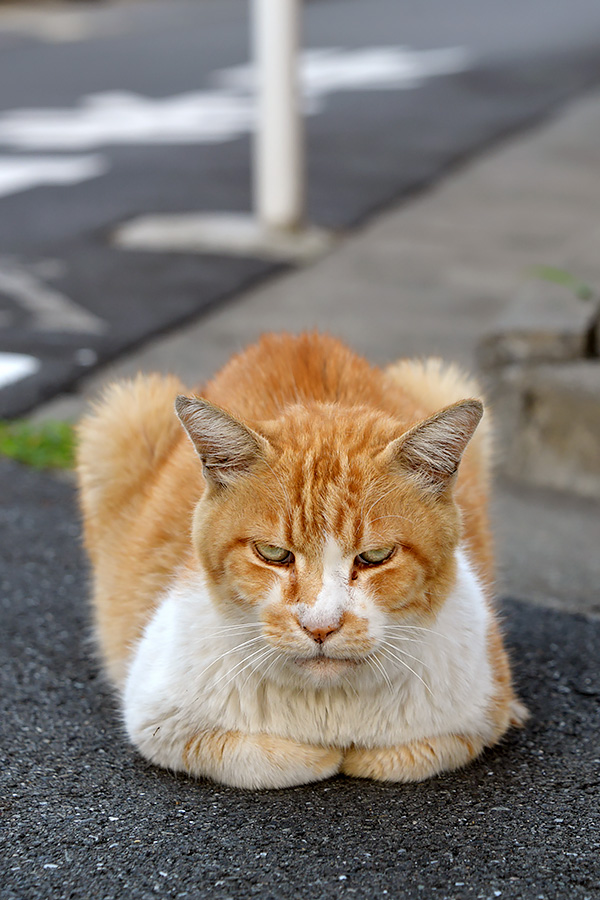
[[366, 150], [84, 817]]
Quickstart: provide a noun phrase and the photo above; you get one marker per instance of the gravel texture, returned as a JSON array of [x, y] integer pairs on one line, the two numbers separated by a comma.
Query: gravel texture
[[85, 817]]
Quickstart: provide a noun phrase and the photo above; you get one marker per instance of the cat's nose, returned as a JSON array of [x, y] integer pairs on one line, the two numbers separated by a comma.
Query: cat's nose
[[320, 634]]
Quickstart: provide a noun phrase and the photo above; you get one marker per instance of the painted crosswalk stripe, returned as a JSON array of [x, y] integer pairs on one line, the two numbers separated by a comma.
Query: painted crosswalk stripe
[[16, 366], [19, 173]]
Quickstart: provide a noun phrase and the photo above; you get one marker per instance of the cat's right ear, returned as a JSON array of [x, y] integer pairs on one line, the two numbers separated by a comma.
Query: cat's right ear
[[228, 449], [431, 451]]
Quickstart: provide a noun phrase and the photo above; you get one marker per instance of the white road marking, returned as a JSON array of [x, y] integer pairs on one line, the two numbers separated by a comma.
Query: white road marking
[[212, 116], [15, 367], [49, 309], [18, 173], [332, 69], [117, 117]]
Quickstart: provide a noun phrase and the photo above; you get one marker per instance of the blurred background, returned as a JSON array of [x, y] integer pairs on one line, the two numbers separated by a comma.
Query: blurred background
[[113, 110], [442, 199]]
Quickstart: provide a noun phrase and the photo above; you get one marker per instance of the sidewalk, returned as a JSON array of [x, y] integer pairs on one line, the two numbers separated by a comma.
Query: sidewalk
[[431, 278]]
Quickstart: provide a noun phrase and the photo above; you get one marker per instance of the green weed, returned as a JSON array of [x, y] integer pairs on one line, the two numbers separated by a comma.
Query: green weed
[[560, 276], [43, 445]]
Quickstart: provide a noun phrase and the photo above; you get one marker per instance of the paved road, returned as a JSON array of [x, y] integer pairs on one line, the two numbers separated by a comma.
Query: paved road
[[84, 817], [381, 126]]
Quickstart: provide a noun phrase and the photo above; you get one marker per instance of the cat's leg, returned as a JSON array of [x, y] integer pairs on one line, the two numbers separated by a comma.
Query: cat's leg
[[257, 760], [414, 761]]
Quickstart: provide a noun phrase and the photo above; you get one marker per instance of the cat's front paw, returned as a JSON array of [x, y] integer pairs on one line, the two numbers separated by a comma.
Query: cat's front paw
[[258, 760], [414, 761]]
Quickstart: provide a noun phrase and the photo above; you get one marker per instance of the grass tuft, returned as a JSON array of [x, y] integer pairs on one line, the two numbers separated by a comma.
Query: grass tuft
[[43, 445], [560, 276]]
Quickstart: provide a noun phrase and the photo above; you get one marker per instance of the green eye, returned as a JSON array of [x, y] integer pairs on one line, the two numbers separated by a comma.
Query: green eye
[[374, 557], [271, 553]]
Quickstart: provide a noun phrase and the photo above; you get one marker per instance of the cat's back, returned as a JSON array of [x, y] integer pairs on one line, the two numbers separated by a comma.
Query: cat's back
[[284, 369]]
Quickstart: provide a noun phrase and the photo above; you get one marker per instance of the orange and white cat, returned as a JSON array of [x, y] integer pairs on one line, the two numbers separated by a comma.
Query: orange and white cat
[[299, 583]]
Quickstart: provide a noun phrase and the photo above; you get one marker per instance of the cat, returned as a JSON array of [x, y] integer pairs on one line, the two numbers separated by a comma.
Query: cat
[[298, 582]]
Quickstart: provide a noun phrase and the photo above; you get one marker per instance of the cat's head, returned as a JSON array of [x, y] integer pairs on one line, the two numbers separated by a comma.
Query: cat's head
[[327, 526]]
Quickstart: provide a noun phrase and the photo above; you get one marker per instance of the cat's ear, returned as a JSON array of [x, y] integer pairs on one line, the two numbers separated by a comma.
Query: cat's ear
[[228, 449], [432, 450]]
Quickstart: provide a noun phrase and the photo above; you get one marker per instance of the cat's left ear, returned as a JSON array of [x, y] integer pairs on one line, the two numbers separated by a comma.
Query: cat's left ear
[[432, 450], [228, 448]]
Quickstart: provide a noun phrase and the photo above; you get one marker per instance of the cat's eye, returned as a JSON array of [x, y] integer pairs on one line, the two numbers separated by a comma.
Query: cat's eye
[[374, 557], [271, 553]]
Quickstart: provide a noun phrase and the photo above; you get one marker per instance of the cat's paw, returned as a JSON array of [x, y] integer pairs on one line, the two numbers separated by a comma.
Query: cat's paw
[[414, 761], [519, 714], [258, 760]]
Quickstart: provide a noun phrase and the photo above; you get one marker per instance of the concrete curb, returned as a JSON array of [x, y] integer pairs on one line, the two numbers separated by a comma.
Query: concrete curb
[[544, 370]]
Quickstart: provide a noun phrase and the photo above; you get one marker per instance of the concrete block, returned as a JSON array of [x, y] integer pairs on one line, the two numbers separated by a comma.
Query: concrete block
[[548, 424], [545, 322]]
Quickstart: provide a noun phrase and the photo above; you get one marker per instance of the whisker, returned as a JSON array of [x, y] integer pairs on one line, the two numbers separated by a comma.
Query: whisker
[[369, 661], [270, 666], [350, 685], [404, 653], [236, 666], [382, 497], [381, 668], [248, 662], [418, 628], [232, 650], [271, 651], [231, 629], [392, 656], [407, 640], [227, 653]]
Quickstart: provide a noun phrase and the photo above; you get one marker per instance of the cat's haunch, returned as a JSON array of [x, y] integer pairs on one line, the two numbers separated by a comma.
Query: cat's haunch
[[298, 581]]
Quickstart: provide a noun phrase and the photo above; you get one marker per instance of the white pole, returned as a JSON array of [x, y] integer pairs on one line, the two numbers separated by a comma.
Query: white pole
[[278, 175]]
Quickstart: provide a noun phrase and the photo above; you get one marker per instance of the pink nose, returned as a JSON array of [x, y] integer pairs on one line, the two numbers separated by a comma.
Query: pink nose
[[319, 635]]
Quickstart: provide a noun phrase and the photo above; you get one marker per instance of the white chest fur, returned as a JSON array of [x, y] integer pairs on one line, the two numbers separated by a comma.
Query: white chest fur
[[191, 672]]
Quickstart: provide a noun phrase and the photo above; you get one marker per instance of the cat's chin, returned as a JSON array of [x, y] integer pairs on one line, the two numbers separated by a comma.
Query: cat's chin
[[326, 668]]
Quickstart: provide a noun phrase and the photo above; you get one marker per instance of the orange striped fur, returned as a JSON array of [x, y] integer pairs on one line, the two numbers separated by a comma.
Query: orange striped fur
[[313, 447]]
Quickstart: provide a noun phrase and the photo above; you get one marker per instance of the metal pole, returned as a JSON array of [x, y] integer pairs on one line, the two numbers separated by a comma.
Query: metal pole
[[278, 162]]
